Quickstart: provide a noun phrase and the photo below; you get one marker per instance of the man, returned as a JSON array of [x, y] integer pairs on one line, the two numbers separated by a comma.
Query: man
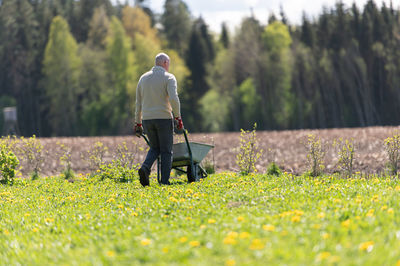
[[157, 103]]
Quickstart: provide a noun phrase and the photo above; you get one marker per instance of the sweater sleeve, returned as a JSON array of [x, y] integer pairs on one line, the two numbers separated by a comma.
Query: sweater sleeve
[[173, 96], [138, 105]]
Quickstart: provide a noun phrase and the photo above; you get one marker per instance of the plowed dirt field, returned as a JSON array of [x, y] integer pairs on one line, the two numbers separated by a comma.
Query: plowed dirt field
[[286, 148]]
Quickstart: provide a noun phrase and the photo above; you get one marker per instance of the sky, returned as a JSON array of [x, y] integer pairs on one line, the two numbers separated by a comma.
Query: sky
[[214, 12]]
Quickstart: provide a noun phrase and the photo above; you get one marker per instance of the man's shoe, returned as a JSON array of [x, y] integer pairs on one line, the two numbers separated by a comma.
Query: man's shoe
[[143, 177]]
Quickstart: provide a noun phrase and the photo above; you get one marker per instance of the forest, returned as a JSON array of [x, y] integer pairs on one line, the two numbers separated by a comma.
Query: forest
[[71, 67]]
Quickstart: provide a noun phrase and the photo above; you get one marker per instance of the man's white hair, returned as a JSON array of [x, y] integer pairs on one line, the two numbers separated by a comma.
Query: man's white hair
[[161, 58]]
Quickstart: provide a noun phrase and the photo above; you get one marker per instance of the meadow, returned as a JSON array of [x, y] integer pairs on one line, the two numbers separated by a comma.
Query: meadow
[[225, 219]]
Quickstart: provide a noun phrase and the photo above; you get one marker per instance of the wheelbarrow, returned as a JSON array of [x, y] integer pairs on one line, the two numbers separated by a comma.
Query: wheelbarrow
[[186, 154]]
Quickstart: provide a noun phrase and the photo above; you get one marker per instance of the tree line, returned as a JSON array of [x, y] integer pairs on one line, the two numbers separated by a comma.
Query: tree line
[[71, 67]]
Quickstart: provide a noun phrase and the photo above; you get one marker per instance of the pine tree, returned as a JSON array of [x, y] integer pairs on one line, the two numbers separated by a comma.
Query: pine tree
[[176, 23]]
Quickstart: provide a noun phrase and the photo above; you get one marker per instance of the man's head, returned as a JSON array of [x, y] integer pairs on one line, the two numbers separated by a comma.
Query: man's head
[[162, 60]]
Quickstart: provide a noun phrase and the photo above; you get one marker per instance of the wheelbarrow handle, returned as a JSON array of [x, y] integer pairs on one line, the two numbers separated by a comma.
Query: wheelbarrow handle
[[146, 139]]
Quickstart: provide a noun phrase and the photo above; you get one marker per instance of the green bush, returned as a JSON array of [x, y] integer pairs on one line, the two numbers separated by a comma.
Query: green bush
[[346, 156], [273, 169], [392, 147], [8, 164], [248, 151], [315, 155]]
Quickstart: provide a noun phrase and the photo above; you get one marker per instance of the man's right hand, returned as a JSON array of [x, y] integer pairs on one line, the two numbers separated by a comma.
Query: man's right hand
[[138, 130], [179, 123]]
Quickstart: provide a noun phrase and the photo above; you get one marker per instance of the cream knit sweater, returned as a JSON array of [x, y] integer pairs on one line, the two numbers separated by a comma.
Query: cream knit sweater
[[157, 96]]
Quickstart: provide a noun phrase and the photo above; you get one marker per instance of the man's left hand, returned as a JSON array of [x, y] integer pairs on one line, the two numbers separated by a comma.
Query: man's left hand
[[138, 130]]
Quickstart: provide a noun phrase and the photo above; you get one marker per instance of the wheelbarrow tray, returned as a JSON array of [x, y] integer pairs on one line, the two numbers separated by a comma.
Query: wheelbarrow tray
[[181, 156]]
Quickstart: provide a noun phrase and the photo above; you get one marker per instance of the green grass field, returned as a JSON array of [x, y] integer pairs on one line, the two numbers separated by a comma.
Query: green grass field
[[225, 219]]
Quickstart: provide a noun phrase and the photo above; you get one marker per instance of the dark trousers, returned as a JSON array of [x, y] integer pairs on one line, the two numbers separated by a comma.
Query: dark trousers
[[160, 134]]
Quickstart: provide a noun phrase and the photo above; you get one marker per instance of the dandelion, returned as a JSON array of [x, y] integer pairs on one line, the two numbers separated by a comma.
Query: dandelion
[[189, 191], [183, 239], [233, 234], [366, 246], [27, 214], [326, 235], [244, 235], [48, 220], [346, 223], [269, 228], [203, 226], [194, 243], [110, 254], [384, 207], [35, 230], [6, 232], [316, 226], [172, 199], [397, 188], [188, 218], [165, 250], [375, 198], [256, 244], [110, 200], [230, 262], [145, 242], [296, 219], [321, 215], [229, 241], [120, 206], [370, 213], [134, 214], [240, 219], [390, 211], [323, 255], [211, 221]]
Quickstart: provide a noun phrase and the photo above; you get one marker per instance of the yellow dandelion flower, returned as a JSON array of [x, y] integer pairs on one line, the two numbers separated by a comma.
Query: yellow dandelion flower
[[346, 223], [316, 226], [120, 206], [384, 207], [35, 230], [397, 188], [284, 233], [27, 214], [326, 235], [165, 250], [390, 211], [6, 232], [188, 218], [233, 234], [244, 235], [240, 219], [203, 226], [134, 214], [211, 221], [230, 262], [375, 198], [321, 215], [110, 254], [256, 244], [189, 191], [296, 219], [229, 241], [298, 212], [194, 243], [323, 255], [337, 201], [145, 242], [366, 246], [370, 213], [268, 227], [110, 200], [183, 239], [48, 220]]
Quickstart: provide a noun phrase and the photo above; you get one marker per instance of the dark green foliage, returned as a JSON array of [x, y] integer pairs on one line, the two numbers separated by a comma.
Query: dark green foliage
[[273, 169], [339, 69]]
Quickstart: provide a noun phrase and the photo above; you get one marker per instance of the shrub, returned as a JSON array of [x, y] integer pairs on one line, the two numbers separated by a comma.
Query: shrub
[[273, 169], [66, 161], [248, 151], [392, 147], [95, 156], [32, 151], [346, 156], [8, 163], [123, 167], [315, 156]]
